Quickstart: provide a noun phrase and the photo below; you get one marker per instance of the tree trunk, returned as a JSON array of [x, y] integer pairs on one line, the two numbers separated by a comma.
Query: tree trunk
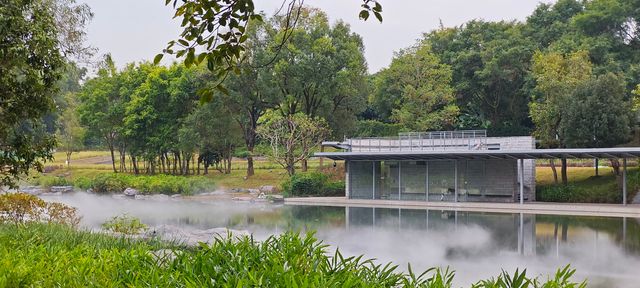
[[615, 164], [113, 159], [595, 164], [304, 165], [565, 180], [68, 158], [162, 162], [134, 162], [552, 163]]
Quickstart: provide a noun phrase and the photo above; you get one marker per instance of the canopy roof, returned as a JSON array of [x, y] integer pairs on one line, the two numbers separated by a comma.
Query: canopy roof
[[627, 152]]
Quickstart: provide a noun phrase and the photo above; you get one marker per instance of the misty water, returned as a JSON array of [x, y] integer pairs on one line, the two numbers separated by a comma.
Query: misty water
[[477, 245]]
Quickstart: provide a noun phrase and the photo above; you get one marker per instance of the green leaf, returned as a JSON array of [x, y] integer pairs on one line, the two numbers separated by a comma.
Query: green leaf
[[157, 59], [222, 89], [364, 15], [378, 16]]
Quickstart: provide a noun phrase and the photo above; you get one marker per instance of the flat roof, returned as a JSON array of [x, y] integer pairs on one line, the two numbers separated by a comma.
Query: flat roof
[[624, 152]]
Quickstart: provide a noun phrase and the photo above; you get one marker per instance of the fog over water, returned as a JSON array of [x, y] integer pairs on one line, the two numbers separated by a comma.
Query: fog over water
[[476, 245]]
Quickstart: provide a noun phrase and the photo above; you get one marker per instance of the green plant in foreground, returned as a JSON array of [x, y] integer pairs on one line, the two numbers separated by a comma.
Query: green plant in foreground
[[124, 224], [38, 255]]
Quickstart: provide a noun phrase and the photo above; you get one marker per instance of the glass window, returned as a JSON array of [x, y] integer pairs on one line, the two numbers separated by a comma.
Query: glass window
[[414, 180]]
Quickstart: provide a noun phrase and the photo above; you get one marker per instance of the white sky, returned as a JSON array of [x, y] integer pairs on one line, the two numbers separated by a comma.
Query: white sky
[[136, 30]]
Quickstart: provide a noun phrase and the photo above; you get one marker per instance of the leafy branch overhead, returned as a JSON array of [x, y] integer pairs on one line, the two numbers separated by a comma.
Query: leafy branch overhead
[[215, 32]]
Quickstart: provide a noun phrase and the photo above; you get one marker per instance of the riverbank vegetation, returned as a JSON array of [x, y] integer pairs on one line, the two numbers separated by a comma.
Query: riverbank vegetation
[[53, 255]]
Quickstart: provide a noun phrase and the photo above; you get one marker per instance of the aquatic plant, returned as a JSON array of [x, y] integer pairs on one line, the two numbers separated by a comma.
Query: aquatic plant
[[124, 224]]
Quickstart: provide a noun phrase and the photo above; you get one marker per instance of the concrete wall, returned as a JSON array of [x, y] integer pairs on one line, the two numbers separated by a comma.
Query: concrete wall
[[521, 143]]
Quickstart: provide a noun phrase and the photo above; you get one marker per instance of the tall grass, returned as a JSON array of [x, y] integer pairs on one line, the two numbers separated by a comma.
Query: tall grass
[[38, 255]]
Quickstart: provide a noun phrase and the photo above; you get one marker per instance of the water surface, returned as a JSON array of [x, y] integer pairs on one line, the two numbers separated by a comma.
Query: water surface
[[477, 245]]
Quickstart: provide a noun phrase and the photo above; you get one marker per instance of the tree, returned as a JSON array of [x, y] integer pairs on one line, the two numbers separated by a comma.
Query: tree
[[219, 28], [421, 88], [70, 133], [29, 71], [291, 138], [490, 64], [556, 77], [101, 107], [251, 92], [598, 114]]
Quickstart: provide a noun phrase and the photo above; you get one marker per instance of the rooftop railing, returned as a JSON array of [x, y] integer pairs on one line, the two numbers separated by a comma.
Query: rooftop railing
[[423, 141]]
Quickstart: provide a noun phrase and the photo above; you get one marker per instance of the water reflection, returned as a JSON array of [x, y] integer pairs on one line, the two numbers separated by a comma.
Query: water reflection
[[606, 250]]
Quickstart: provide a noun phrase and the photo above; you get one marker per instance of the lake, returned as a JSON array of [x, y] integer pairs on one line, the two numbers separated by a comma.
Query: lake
[[477, 245]]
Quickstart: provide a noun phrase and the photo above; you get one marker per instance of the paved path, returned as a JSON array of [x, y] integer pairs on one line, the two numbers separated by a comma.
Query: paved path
[[580, 209]]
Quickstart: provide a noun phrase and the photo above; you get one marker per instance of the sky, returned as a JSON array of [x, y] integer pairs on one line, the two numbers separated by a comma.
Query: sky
[[137, 30]]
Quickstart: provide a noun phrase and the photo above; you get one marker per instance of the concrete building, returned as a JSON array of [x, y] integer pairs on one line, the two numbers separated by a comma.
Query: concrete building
[[425, 167]]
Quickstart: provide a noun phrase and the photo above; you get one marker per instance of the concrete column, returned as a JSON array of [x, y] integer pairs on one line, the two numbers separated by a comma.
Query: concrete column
[[455, 181], [624, 181], [426, 165], [373, 192], [521, 174], [347, 180]]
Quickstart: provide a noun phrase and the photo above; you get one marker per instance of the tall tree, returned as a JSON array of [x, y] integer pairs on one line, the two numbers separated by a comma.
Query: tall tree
[[556, 77], [420, 85], [29, 70]]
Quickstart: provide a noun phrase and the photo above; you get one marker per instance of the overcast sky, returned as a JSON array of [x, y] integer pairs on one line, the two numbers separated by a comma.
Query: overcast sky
[[136, 30]]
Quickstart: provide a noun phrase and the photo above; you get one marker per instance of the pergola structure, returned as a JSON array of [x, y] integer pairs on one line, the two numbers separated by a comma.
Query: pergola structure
[[519, 155]]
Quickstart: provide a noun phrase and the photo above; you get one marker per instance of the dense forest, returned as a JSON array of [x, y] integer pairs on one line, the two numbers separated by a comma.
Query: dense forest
[[568, 75]]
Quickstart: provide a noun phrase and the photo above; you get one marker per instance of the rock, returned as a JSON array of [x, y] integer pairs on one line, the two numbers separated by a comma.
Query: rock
[[90, 191], [239, 190], [155, 197], [267, 189], [276, 198], [192, 237], [33, 190], [176, 196], [253, 191], [51, 194], [242, 198], [130, 192], [262, 196], [61, 189]]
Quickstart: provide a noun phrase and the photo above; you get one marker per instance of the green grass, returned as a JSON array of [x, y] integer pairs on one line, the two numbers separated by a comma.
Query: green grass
[[584, 187], [37, 255]]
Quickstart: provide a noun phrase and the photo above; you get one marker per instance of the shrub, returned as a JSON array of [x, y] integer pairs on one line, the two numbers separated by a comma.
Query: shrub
[[110, 183], [20, 208], [124, 224], [48, 181], [373, 128], [82, 183], [312, 184]]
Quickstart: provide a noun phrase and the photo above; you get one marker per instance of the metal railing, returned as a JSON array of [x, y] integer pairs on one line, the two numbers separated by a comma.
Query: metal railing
[[423, 141]]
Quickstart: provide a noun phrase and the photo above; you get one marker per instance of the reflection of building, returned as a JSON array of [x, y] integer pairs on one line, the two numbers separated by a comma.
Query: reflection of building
[[513, 231], [429, 166]]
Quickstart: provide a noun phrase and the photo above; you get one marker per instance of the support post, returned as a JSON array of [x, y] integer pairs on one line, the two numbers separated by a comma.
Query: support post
[[426, 165], [399, 180], [455, 181], [347, 182], [373, 192], [521, 174], [624, 181]]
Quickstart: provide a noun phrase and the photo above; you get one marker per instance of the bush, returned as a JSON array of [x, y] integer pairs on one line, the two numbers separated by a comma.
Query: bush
[[580, 194], [312, 184], [109, 183], [82, 183], [124, 224], [49, 181], [21, 208], [151, 184]]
